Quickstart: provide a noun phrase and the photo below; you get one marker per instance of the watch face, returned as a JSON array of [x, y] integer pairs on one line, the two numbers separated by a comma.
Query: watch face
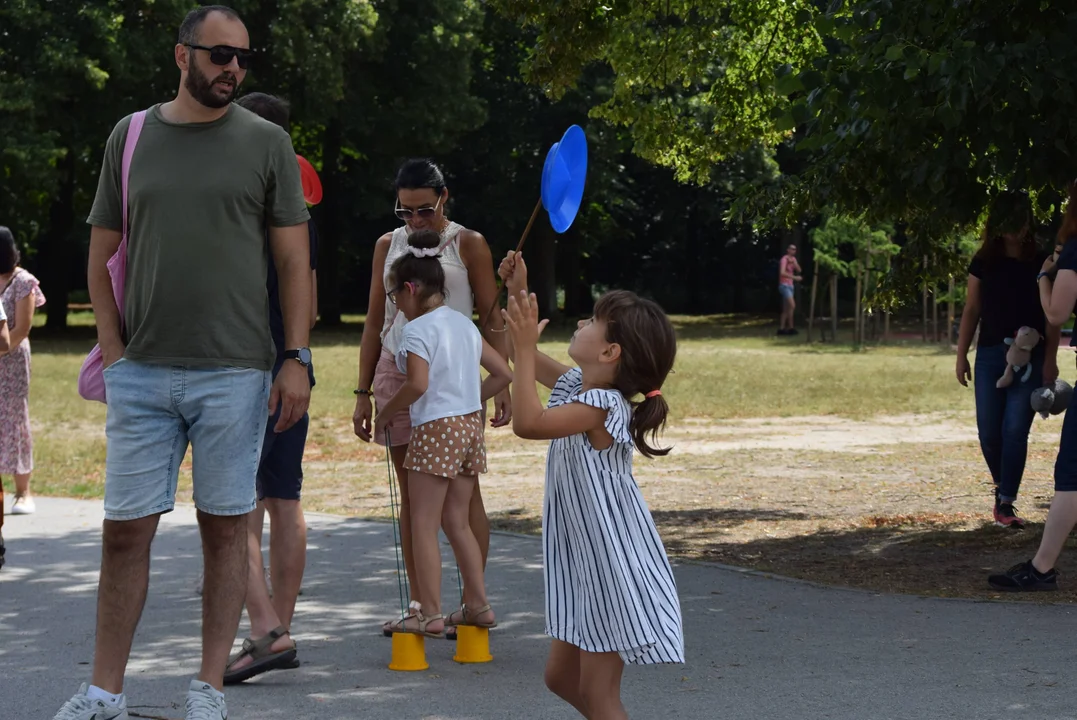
[[305, 356]]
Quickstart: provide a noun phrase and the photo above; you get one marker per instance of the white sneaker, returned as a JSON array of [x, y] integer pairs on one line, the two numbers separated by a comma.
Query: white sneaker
[[23, 505], [81, 707], [203, 703]]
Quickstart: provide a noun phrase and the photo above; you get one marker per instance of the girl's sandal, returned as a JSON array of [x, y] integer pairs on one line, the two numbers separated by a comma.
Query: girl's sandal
[[467, 617], [401, 625]]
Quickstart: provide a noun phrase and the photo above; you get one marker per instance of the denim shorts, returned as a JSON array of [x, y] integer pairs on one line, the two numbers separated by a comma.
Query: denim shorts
[[786, 291], [155, 411]]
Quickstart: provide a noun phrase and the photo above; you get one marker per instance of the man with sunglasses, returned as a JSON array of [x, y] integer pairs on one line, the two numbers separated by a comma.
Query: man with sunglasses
[[208, 180]]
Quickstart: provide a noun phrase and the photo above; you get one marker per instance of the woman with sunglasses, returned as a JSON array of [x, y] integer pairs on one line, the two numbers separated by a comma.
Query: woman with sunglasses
[[465, 256]]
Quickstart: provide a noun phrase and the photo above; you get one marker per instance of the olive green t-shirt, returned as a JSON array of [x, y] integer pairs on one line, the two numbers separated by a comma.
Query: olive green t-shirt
[[200, 198]]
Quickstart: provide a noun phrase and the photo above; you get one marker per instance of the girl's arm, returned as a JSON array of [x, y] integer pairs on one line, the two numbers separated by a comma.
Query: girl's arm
[[5, 338], [499, 373], [513, 272], [530, 420], [547, 370], [412, 389]]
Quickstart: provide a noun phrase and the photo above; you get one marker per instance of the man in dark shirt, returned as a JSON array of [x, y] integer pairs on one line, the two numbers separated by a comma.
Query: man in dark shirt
[[280, 480]]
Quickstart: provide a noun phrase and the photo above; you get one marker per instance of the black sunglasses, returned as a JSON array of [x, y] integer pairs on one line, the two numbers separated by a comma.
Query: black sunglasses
[[222, 55]]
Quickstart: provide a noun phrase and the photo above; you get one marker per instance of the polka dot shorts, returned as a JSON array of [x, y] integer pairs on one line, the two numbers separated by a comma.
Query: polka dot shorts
[[448, 447]]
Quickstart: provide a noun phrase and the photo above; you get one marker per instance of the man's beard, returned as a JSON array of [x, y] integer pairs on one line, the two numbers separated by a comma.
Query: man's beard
[[203, 89]]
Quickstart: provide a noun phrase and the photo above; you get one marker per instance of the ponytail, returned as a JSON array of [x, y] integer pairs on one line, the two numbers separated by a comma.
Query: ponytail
[[649, 418]]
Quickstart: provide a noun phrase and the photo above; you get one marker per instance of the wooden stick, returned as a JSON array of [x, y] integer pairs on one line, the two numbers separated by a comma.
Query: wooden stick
[[811, 307], [519, 247]]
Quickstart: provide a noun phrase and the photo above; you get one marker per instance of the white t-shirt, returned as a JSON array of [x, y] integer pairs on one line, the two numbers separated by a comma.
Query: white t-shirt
[[3, 315], [452, 345]]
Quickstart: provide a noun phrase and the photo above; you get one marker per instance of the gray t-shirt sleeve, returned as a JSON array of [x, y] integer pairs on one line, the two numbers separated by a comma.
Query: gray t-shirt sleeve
[[107, 210], [285, 205]]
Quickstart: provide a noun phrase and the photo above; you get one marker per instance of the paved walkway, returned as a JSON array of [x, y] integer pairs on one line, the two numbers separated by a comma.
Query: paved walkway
[[757, 647]]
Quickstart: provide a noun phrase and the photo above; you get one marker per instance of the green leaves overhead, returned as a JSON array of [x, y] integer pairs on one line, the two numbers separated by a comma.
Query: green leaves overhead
[[913, 110]]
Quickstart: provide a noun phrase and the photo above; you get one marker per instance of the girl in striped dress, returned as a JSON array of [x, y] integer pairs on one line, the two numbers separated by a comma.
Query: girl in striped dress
[[610, 594]]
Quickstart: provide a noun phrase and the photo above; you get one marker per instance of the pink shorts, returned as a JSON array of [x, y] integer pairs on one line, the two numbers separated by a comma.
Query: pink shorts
[[387, 381]]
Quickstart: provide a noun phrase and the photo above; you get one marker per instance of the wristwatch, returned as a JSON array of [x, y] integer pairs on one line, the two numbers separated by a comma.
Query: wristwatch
[[301, 355]]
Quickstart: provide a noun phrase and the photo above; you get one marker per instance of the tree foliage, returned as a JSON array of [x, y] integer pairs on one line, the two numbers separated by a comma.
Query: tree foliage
[[911, 112]]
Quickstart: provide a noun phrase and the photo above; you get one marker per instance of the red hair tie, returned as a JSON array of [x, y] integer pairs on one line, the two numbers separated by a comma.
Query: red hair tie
[[653, 393]]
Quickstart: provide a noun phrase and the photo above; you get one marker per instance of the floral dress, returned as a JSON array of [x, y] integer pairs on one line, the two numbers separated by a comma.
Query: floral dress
[[16, 443]]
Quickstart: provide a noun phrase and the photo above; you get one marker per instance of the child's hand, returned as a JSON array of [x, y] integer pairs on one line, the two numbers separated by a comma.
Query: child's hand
[[513, 272], [522, 318]]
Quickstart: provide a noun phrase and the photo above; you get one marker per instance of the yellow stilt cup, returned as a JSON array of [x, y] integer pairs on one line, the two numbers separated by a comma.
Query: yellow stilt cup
[[409, 652], [472, 645]]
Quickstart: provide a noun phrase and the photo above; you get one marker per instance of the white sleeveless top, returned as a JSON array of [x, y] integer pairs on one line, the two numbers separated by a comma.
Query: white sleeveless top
[[457, 286]]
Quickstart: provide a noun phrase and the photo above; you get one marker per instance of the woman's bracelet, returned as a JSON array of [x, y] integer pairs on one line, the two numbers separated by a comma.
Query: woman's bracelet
[[1042, 275], [362, 391]]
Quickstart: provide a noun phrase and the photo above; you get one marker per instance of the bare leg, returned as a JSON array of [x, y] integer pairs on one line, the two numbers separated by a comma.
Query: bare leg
[[479, 522], [1060, 521], [791, 309], [428, 499], [600, 685], [260, 608], [454, 519], [287, 555], [121, 595], [22, 485], [563, 674], [398, 453], [224, 550]]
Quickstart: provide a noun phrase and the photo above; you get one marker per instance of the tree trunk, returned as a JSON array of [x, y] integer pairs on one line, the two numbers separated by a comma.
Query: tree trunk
[[834, 307], [925, 302], [950, 313], [329, 214], [56, 251], [811, 304], [578, 300], [935, 314], [886, 327], [542, 267], [858, 320]]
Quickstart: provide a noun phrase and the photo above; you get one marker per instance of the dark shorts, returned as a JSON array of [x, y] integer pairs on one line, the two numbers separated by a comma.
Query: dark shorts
[[1066, 461], [280, 472]]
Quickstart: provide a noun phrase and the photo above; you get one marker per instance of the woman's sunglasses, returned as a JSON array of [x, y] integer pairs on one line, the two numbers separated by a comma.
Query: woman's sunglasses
[[222, 55], [427, 212]]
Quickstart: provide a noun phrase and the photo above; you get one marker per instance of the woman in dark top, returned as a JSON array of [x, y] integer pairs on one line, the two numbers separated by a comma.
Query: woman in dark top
[[1002, 297], [1057, 282]]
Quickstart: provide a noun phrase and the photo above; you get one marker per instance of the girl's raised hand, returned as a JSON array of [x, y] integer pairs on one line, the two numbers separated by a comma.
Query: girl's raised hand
[[522, 317]]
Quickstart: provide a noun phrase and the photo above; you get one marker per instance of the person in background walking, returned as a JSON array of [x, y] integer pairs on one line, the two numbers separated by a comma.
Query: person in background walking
[[788, 273], [1057, 283], [20, 294], [1002, 298]]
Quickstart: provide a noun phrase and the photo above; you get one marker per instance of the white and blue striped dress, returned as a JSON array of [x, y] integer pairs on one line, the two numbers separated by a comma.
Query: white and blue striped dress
[[609, 585]]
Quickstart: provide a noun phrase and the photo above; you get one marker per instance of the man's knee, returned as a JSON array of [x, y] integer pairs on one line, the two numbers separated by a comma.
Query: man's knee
[[126, 537], [223, 529]]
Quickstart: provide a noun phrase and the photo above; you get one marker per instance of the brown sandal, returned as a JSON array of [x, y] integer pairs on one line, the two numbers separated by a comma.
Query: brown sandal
[[263, 659], [466, 616], [400, 626]]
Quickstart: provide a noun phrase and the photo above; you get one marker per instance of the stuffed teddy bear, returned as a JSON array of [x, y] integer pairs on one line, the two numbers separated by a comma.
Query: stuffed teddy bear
[[1019, 355], [1053, 399]]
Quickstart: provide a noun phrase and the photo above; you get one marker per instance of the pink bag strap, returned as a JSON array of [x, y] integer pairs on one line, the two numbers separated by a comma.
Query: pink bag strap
[[133, 131]]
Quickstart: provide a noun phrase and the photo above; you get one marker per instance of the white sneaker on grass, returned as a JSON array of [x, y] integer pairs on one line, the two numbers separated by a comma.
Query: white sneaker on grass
[[81, 707], [205, 703]]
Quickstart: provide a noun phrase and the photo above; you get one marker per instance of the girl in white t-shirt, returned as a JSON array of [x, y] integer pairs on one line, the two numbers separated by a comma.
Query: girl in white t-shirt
[[440, 352]]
